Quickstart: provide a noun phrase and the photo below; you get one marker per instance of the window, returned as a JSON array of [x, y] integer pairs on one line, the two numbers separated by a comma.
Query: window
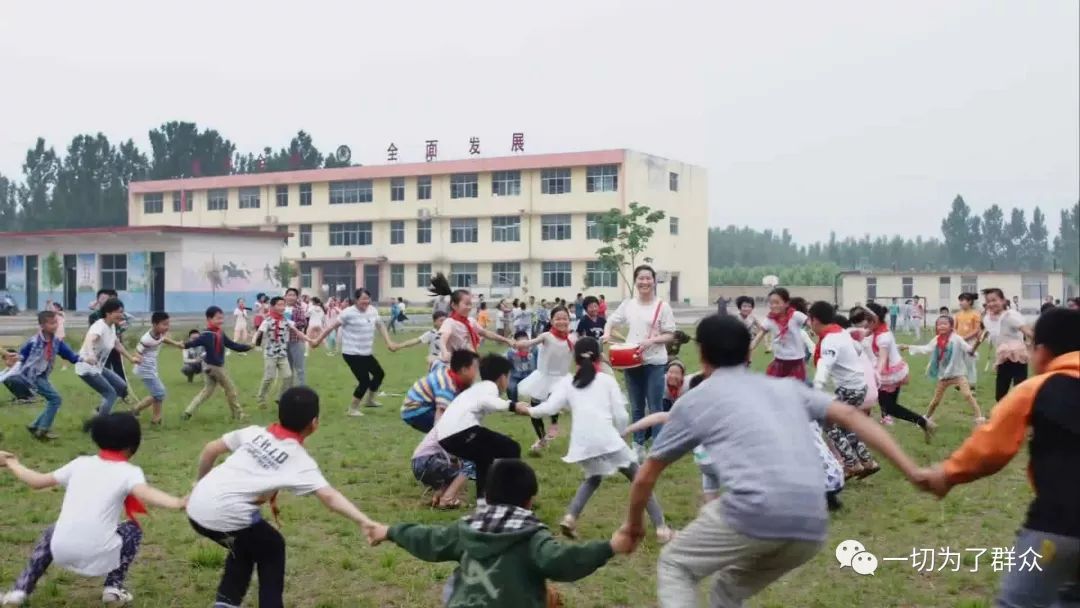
[[397, 189], [604, 178], [969, 283], [600, 275], [1034, 286], [945, 290], [673, 225], [555, 274], [114, 271], [305, 276], [305, 235], [673, 181], [506, 274], [217, 200], [283, 230], [282, 196], [907, 287], [397, 232], [183, 202], [555, 181], [423, 232], [464, 185], [350, 233], [462, 276], [153, 203], [397, 276], [249, 198], [506, 229], [506, 183], [305, 195], [358, 191], [423, 275], [594, 226], [871, 288], [423, 188], [555, 227], [3, 272], [464, 230]]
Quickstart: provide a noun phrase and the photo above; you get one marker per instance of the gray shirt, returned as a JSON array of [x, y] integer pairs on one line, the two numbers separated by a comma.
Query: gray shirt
[[756, 430]]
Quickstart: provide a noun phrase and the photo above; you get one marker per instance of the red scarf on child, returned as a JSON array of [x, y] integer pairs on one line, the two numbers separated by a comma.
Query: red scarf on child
[[459, 384], [219, 340], [783, 320], [942, 344], [48, 346], [673, 391], [281, 433], [831, 328], [132, 506], [474, 337], [524, 353], [564, 336], [278, 320], [879, 329]]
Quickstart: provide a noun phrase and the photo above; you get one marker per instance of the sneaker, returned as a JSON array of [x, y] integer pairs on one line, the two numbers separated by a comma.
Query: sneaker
[[887, 420], [184, 416], [664, 535], [538, 446], [639, 452], [372, 403], [568, 527], [354, 412], [929, 429], [13, 598], [116, 595], [45, 435]]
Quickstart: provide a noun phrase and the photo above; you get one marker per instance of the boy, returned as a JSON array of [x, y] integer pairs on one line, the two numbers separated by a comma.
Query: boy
[[429, 396], [98, 346], [294, 311], [436, 469], [1047, 403], [522, 362], [214, 342], [592, 324], [21, 394], [772, 518], [969, 326], [505, 554], [224, 505], [431, 338], [113, 362], [274, 334], [147, 370], [192, 358], [37, 356]]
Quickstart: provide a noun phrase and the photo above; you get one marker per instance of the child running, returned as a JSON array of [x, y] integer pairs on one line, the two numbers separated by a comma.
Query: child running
[[85, 538], [431, 338], [275, 332], [240, 322], [37, 356], [948, 353], [192, 358], [745, 305], [969, 326], [214, 342], [552, 365], [224, 505], [505, 554], [522, 363], [147, 369], [596, 443], [892, 370], [429, 396], [785, 324], [97, 349]]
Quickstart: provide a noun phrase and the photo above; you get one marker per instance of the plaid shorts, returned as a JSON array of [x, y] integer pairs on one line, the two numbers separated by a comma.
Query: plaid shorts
[[434, 471], [851, 396]]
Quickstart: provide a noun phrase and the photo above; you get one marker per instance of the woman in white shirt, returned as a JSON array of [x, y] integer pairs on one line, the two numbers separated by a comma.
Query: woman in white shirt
[[596, 442], [651, 325], [1006, 329], [100, 341], [785, 324]]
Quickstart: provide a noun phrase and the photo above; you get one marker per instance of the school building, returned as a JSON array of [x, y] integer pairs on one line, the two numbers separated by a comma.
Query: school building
[[511, 226], [173, 268], [943, 288]]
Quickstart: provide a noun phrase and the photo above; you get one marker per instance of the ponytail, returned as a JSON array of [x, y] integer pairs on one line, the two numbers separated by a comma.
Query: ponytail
[[587, 357]]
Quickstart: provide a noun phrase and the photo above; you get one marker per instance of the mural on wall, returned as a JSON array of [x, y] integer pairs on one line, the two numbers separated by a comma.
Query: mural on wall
[[136, 272], [225, 272], [86, 272], [16, 274]]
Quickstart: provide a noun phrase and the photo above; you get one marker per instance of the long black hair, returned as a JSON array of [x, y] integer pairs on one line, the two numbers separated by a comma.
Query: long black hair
[[587, 356], [681, 337], [440, 286]]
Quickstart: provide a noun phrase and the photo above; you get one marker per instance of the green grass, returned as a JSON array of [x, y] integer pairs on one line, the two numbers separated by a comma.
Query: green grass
[[330, 565]]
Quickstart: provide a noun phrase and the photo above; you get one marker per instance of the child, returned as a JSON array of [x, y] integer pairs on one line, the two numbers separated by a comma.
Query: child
[[332, 312], [436, 469], [85, 538], [505, 554], [745, 304], [947, 365], [459, 428], [522, 362], [101, 340], [224, 505], [192, 358], [274, 332], [522, 319], [483, 318], [1006, 329], [147, 369], [37, 356], [316, 316], [674, 383], [9, 377], [431, 338], [785, 324], [240, 320], [892, 370], [214, 342], [552, 364], [969, 326], [1047, 404], [429, 396], [596, 443]]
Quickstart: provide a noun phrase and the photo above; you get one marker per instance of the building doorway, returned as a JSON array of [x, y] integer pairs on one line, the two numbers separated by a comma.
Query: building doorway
[[157, 280], [371, 280], [674, 295], [31, 282], [340, 279], [71, 283]]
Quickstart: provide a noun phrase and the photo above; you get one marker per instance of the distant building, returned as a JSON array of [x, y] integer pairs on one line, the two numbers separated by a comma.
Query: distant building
[[943, 288]]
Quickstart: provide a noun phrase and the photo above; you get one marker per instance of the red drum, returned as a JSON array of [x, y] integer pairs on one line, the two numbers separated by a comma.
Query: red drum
[[625, 356]]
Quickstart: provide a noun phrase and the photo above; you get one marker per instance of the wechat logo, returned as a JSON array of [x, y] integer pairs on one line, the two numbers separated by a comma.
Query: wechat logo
[[852, 553]]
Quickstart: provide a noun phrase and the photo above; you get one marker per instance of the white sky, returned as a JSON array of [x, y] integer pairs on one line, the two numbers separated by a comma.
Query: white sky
[[848, 115]]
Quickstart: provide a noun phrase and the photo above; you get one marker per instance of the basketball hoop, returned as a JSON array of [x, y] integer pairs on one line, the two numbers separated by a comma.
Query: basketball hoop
[[770, 280]]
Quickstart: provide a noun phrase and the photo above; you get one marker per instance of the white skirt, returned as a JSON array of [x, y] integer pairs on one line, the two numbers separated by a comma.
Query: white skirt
[[607, 464], [538, 385]]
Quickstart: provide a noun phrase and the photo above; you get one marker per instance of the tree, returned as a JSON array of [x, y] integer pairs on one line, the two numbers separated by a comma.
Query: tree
[[956, 228], [625, 237], [992, 246], [35, 196], [53, 272], [9, 205], [301, 154], [284, 272], [1037, 243], [1067, 242], [181, 150]]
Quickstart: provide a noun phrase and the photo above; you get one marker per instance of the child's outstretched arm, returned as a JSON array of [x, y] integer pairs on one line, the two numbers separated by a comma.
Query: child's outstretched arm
[[156, 498], [647, 422], [429, 543], [336, 502], [209, 455], [569, 562], [37, 481]]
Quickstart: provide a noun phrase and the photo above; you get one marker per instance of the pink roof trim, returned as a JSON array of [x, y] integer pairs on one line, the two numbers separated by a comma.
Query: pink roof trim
[[150, 230], [444, 167]]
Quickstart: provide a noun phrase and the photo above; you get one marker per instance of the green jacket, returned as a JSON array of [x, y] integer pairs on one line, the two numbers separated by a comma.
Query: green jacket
[[508, 568]]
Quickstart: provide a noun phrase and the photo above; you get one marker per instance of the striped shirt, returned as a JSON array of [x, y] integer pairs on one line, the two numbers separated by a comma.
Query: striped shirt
[[148, 347], [435, 390], [358, 330]]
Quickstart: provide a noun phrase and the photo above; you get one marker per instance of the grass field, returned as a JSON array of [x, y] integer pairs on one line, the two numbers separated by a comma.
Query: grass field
[[330, 565]]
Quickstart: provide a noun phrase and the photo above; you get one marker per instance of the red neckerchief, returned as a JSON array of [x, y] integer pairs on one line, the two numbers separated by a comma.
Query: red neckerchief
[[831, 328], [783, 320], [879, 329], [219, 341], [523, 353], [278, 319], [281, 433], [564, 336], [942, 343], [474, 337], [673, 391], [48, 346], [132, 506], [459, 382]]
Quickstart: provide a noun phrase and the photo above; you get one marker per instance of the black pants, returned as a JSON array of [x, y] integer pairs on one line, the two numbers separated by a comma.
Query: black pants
[[259, 545], [481, 446], [116, 363], [367, 371], [1009, 374], [890, 406]]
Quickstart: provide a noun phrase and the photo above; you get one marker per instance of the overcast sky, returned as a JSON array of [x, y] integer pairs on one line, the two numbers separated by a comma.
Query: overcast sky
[[851, 116]]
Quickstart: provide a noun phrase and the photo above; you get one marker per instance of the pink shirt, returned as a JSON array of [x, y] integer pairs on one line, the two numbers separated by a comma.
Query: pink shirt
[[458, 335]]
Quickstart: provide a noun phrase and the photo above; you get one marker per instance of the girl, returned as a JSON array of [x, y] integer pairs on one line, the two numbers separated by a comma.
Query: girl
[[969, 326], [332, 312], [316, 319], [553, 363], [596, 442], [85, 538], [674, 383], [785, 324], [262, 308], [483, 318], [240, 326], [1006, 329], [745, 304], [460, 331], [947, 365], [651, 325]]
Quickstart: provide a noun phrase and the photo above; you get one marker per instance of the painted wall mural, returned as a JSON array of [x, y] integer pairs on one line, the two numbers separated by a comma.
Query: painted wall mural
[[86, 273], [137, 264], [226, 272], [16, 274]]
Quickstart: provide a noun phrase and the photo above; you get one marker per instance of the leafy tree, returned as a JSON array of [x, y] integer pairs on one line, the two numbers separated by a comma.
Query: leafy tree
[[301, 154], [956, 228], [1015, 237], [1067, 242], [181, 150], [53, 272], [1037, 243], [284, 272], [35, 196], [992, 246], [9, 205], [625, 237]]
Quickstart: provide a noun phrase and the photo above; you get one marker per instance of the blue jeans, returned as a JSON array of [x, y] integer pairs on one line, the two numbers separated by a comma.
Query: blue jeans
[[19, 387], [44, 421], [1058, 581], [645, 388], [107, 384]]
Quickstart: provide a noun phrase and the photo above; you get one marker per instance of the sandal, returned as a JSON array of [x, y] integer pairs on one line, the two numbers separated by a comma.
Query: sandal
[[451, 505]]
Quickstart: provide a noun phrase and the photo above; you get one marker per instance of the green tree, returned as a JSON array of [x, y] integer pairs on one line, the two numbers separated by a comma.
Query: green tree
[[179, 149], [1015, 238], [992, 246], [284, 272], [1067, 242], [53, 272], [9, 205], [1037, 243], [956, 228], [301, 154], [35, 196], [625, 237]]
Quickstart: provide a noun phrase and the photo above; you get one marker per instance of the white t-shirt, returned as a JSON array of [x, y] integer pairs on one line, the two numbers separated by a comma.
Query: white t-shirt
[[98, 349], [600, 416], [841, 361], [1005, 328], [226, 499], [556, 356], [469, 408], [315, 316], [638, 317], [789, 346], [148, 348], [358, 330], [85, 539], [431, 338], [886, 342]]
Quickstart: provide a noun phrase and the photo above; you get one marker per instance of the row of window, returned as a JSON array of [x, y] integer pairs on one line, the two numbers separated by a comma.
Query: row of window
[[1032, 286], [507, 274]]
